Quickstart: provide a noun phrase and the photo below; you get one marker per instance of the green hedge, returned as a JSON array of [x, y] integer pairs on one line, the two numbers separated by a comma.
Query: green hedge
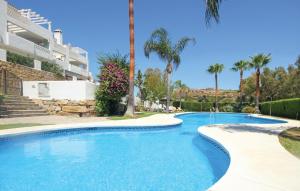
[[289, 108], [18, 59], [204, 106], [54, 68]]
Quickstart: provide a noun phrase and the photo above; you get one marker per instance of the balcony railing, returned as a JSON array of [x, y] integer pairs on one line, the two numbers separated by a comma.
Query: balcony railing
[[78, 70], [77, 56], [28, 47], [62, 64], [20, 43], [59, 48]]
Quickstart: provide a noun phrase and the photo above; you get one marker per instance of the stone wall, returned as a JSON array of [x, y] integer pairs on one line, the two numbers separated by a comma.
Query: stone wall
[[28, 74], [68, 107]]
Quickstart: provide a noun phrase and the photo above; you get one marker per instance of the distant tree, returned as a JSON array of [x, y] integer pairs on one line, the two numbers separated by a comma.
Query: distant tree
[[154, 84], [241, 66], [216, 69], [161, 44], [257, 62], [139, 82], [180, 90]]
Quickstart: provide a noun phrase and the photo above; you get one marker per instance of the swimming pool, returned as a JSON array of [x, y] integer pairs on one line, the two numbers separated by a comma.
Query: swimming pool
[[168, 158]]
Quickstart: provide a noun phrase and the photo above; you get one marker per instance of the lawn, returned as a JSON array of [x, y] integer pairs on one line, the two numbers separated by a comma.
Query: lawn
[[137, 115], [18, 125], [290, 140]]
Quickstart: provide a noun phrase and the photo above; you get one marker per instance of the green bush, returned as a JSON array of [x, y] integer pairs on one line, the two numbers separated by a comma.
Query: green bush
[[248, 109], [53, 68], [18, 59], [227, 108], [289, 108], [194, 106]]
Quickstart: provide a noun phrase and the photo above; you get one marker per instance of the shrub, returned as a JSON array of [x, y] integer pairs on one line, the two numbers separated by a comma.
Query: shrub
[[289, 108], [248, 109], [18, 59], [114, 85], [53, 68], [227, 108], [193, 105]]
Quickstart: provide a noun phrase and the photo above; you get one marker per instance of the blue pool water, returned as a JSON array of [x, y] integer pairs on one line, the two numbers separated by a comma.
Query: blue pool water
[[168, 159]]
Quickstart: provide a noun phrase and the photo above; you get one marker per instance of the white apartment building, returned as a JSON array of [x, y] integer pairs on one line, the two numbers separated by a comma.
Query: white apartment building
[[25, 32]]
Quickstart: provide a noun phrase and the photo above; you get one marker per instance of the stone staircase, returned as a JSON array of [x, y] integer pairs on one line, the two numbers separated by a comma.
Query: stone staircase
[[19, 106]]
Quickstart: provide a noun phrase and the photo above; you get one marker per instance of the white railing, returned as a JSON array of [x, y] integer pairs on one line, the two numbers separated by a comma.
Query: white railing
[[28, 47], [59, 48], [42, 52], [62, 64], [78, 57], [78, 70]]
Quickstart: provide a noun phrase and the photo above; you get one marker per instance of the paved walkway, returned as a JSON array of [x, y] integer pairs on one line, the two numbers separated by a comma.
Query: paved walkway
[[258, 161], [52, 119]]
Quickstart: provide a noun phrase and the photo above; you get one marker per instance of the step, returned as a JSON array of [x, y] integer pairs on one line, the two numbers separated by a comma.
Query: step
[[18, 102], [16, 99], [21, 107], [26, 115], [26, 111]]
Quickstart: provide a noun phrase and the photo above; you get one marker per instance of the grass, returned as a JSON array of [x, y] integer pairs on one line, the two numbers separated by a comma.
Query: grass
[[18, 125], [137, 115], [290, 140]]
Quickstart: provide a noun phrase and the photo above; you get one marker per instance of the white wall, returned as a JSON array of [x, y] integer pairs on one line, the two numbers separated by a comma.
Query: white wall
[[72, 90]]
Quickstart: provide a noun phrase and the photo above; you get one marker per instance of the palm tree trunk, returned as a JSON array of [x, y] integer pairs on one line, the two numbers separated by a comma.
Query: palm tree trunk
[[168, 91], [257, 92], [216, 93], [241, 86], [130, 107]]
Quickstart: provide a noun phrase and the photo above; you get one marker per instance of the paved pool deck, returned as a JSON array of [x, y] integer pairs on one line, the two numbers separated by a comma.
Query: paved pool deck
[[258, 161]]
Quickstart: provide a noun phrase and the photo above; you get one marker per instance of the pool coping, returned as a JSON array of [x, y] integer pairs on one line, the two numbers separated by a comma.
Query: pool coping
[[233, 179], [154, 121]]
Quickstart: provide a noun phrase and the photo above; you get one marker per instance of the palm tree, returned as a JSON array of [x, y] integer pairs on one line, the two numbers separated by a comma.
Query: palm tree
[[258, 62], [212, 10], [241, 66], [161, 44], [181, 89], [216, 69], [130, 107]]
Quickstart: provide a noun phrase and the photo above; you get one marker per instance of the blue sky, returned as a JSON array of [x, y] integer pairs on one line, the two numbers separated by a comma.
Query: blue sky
[[247, 27]]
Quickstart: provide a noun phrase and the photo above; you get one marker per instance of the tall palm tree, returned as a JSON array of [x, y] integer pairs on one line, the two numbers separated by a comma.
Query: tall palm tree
[[241, 66], [130, 107], [258, 62], [161, 44], [216, 69]]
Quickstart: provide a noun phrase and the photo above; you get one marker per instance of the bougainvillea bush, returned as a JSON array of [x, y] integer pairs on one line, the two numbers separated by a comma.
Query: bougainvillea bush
[[114, 84]]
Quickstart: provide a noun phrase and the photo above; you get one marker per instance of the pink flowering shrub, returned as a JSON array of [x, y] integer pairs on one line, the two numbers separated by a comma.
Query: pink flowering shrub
[[114, 84]]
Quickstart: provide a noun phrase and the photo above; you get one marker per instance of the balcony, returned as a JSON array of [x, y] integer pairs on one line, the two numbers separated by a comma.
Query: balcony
[[77, 56], [59, 48], [78, 70], [28, 47]]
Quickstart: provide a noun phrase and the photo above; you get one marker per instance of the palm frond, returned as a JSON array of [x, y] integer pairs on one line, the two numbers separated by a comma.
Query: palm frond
[[216, 68], [212, 10], [182, 43]]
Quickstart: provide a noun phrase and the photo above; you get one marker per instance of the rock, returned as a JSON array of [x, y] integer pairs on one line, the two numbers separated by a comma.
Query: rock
[[63, 102], [74, 109]]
